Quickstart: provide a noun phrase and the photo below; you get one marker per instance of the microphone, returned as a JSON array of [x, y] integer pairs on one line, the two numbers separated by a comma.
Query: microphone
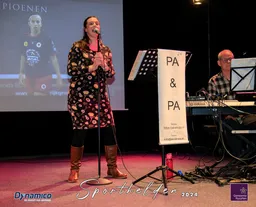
[[96, 31]]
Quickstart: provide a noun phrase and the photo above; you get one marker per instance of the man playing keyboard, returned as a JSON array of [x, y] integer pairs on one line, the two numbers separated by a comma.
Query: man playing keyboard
[[219, 88]]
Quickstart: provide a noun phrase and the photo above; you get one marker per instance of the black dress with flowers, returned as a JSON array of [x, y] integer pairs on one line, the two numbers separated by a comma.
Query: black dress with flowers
[[84, 87]]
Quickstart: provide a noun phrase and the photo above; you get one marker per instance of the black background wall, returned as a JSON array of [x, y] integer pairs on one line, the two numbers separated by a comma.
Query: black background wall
[[204, 30]]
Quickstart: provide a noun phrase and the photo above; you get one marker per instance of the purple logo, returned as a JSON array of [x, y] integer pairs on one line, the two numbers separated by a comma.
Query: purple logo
[[239, 192]]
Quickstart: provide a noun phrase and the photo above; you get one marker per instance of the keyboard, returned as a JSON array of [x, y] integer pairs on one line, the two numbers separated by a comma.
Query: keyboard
[[221, 103], [224, 107]]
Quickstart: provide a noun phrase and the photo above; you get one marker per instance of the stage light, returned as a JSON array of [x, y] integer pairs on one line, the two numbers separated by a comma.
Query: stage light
[[197, 2]]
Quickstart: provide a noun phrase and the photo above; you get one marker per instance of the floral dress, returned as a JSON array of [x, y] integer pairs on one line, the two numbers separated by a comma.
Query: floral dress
[[85, 86]]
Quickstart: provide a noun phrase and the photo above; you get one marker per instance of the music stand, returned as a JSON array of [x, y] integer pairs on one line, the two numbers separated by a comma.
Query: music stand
[[145, 65], [242, 78], [145, 69], [188, 57]]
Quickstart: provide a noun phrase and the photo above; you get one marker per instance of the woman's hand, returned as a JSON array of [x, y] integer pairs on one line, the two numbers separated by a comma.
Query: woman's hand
[[98, 61]]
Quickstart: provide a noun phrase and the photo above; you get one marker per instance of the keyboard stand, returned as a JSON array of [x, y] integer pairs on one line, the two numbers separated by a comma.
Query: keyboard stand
[[243, 131], [247, 154]]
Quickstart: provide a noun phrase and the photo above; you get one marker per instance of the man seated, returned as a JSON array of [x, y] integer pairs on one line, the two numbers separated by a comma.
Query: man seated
[[219, 88]]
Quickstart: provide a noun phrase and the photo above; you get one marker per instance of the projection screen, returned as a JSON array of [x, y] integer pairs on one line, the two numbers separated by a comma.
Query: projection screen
[[61, 25]]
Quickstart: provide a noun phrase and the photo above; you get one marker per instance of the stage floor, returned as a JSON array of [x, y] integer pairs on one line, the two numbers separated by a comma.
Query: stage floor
[[47, 175]]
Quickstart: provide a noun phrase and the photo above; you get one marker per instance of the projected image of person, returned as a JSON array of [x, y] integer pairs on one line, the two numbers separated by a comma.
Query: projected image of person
[[219, 88], [37, 53], [88, 61]]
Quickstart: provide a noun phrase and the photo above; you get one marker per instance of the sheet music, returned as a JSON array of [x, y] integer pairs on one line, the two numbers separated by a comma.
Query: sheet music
[[243, 62], [243, 74], [245, 84], [136, 64]]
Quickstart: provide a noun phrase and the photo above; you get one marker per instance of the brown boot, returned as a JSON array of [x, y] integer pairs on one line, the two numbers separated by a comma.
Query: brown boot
[[76, 156], [111, 157]]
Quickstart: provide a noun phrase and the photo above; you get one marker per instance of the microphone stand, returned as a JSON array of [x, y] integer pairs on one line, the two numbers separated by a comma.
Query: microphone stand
[[99, 180]]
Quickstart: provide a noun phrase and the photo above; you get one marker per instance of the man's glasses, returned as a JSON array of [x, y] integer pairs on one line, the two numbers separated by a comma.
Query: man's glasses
[[226, 60]]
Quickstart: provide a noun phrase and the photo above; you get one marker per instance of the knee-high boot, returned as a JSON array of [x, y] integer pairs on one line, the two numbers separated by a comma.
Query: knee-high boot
[[76, 154], [111, 157]]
